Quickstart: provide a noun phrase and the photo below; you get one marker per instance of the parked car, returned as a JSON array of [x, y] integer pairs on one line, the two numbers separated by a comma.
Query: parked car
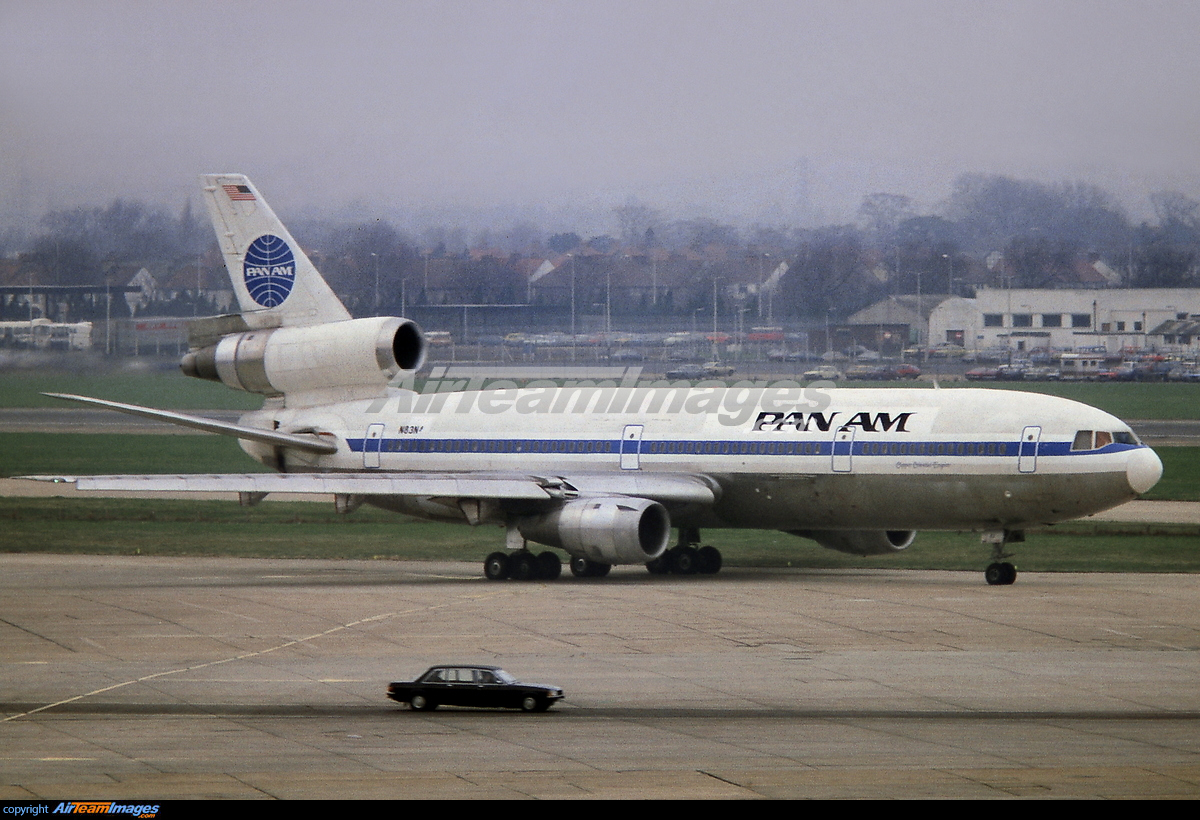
[[981, 374], [824, 372], [687, 371], [718, 369], [483, 686], [871, 372], [906, 371]]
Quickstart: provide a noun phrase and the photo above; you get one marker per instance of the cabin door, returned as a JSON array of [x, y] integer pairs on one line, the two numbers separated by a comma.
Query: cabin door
[[631, 446], [843, 448], [371, 445], [1027, 458]]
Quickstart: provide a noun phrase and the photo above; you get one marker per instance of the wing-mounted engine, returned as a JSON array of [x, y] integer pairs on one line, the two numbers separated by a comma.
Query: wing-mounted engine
[[609, 530], [860, 542], [335, 361]]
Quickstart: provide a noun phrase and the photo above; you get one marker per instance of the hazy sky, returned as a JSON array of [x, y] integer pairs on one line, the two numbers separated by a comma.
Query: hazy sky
[[757, 110]]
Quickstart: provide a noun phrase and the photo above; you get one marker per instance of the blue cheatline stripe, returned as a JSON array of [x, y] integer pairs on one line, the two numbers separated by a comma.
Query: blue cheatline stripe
[[600, 447]]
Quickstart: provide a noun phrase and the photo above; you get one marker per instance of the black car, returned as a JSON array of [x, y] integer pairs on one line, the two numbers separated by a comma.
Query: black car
[[485, 686]]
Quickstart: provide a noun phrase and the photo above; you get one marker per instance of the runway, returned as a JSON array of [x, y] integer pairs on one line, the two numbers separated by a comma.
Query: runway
[[200, 678]]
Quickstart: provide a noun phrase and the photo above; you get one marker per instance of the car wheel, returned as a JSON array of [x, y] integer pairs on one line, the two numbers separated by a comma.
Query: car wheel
[[420, 703], [530, 704]]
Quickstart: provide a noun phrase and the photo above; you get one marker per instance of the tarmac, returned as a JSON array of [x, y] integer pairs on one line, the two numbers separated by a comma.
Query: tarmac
[[157, 678]]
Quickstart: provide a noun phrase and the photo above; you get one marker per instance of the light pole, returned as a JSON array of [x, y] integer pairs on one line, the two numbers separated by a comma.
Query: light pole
[[571, 256], [375, 256]]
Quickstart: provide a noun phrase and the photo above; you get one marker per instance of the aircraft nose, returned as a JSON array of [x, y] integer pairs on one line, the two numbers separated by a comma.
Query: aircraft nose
[[1143, 469]]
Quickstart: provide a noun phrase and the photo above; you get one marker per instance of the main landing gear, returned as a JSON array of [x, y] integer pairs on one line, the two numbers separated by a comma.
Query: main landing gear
[[522, 565], [685, 558], [1001, 573]]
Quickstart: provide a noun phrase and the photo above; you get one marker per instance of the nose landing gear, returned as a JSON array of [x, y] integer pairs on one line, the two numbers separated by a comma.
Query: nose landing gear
[[1000, 572]]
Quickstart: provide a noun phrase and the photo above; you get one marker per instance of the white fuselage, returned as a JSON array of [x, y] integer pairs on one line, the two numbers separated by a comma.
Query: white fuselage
[[848, 458]]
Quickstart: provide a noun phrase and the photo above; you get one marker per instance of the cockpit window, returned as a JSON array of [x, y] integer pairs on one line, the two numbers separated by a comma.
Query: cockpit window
[[1089, 440]]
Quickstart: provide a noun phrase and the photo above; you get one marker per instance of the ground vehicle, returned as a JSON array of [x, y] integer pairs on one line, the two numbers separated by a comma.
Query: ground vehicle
[[906, 371], [469, 685], [687, 371], [825, 372], [717, 369]]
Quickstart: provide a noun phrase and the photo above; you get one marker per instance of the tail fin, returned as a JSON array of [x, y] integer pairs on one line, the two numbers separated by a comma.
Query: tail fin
[[275, 283]]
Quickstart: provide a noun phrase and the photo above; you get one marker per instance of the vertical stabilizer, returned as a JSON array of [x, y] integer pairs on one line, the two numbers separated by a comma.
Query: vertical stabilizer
[[275, 283]]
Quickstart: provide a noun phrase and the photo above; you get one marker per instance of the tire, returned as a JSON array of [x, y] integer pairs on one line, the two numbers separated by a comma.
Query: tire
[[496, 566], [708, 561], [659, 566], [683, 560], [549, 566], [521, 567], [995, 575], [420, 703], [1010, 574], [531, 704], [585, 568]]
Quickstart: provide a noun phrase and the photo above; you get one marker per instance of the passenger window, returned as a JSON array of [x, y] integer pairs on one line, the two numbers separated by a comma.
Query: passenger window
[[1083, 440]]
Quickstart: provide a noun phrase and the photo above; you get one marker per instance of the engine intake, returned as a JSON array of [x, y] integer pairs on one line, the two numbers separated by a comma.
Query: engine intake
[[860, 542], [282, 360], [615, 530]]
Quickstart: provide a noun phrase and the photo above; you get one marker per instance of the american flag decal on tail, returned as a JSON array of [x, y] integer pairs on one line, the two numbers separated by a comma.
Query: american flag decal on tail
[[239, 193]]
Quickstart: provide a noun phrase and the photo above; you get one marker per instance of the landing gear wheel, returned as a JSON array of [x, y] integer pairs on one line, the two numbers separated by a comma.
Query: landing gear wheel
[[549, 566], [585, 568], [420, 703], [659, 566], [522, 566], [708, 561], [496, 566], [1000, 574], [684, 560]]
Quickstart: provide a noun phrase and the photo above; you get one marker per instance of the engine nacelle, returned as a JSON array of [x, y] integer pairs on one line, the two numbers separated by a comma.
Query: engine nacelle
[[860, 542], [282, 360], [613, 530]]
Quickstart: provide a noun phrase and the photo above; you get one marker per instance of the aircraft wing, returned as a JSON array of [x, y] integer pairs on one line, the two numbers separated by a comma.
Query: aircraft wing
[[310, 444], [671, 488]]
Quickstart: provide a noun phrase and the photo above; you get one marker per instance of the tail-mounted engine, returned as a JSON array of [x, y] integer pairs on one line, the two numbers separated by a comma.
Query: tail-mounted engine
[[609, 530], [359, 353], [860, 542]]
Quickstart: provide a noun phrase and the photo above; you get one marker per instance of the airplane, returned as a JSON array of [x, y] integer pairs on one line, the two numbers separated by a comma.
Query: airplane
[[605, 471]]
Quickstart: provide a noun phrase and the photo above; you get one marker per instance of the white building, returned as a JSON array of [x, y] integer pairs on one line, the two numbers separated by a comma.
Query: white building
[[1021, 320]]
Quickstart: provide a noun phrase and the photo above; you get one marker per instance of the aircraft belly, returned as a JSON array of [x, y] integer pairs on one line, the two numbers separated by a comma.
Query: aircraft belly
[[925, 502]]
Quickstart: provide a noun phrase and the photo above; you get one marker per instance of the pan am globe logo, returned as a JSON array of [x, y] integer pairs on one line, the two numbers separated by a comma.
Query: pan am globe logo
[[269, 270]]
